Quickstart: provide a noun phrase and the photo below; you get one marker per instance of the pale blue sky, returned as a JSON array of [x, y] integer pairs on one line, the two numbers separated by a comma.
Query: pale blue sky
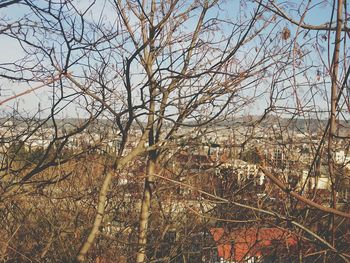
[[320, 14]]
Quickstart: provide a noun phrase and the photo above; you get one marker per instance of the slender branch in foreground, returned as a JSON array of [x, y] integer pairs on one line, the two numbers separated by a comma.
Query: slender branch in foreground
[[54, 79], [120, 164], [301, 198], [281, 217], [322, 27], [102, 203]]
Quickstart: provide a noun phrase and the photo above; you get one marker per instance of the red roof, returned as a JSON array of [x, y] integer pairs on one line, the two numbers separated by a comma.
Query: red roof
[[242, 243]]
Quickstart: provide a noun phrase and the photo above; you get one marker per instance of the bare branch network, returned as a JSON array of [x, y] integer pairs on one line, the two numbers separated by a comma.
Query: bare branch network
[[174, 131]]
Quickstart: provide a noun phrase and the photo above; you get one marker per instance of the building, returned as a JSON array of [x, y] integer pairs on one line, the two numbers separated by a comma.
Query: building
[[252, 244]]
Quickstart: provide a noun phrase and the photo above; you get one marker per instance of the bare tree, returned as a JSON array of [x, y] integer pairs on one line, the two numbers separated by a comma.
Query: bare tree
[[153, 83]]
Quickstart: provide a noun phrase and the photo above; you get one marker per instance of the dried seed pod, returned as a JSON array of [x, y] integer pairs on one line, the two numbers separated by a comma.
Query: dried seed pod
[[285, 33]]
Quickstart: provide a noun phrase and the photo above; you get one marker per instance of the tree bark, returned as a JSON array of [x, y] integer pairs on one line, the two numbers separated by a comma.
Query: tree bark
[[145, 212], [102, 201], [333, 124]]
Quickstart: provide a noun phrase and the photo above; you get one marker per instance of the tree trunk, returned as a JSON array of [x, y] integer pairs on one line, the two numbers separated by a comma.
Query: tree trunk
[[333, 124], [145, 211]]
